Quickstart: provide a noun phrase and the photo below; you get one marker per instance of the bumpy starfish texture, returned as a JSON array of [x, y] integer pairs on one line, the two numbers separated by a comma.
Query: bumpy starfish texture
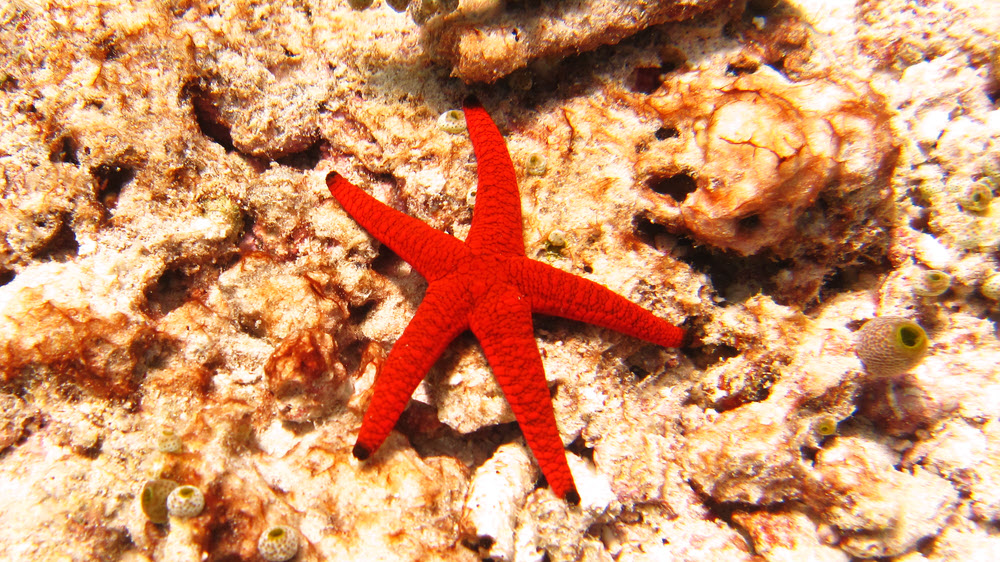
[[486, 284]]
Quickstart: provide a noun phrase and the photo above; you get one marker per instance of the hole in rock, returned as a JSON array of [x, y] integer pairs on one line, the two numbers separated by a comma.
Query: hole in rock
[[305, 159], [63, 245], [638, 372], [717, 354], [646, 79], [646, 230], [358, 314], [748, 224], [677, 186], [809, 454], [664, 133], [762, 7], [8, 84], [386, 262], [169, 292], [209, 119], [111, 179], [64, 150], [580, 448], [739, 68]]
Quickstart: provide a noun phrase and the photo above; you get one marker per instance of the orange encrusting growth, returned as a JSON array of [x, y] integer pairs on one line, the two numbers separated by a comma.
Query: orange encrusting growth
[[487, 285]]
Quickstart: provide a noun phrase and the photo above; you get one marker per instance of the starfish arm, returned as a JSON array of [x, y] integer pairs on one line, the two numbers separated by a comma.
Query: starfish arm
[[431, 252], [439, 318], [502, 323], [496, 220], [558, 293]]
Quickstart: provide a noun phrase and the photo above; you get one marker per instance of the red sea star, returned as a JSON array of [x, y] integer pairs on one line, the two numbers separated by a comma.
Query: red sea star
[[486, 284]]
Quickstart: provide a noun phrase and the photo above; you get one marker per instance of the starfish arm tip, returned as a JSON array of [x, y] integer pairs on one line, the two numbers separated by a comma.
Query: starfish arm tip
[[361, 452], [572, 497], [471, 101], [688, 338]]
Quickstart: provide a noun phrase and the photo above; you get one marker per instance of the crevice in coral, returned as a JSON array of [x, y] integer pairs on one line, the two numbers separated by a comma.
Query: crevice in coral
[[356, 314], [431, 437], [723, 511], [64, 150], [481, 543], [666, 132], [809, 454], [209, 119], [748, 224], [8, 83], [579, 448], [734, 277], [741, 67], [675, 186], [646, 230], [62, 246], [170, 291], [111, 179], [648, 79], [709, 356], [304, 160], [386, 261]]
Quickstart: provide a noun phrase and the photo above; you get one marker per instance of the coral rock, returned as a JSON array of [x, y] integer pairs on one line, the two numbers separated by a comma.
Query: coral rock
[[881, 511], [498, 490], [98, 352], [305, 376], [787, 536], [759, 150], [489, 51]]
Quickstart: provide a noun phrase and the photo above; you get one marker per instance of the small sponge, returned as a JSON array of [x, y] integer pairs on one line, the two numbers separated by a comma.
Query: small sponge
[[890, 346]]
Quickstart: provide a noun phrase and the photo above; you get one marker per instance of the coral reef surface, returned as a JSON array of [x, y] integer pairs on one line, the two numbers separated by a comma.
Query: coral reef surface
[[183, 306]]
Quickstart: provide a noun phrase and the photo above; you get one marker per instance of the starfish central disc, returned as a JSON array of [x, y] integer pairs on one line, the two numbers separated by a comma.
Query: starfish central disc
[[487, 285]]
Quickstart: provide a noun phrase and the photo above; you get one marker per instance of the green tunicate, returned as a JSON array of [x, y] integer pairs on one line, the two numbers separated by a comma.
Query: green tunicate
[[185, 501], [932, 283], [826, 426], [153, 499], [978, 198], [991, 287], [278, 544], [536, 165], [452, 121], [890, 346], [398, 5]]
